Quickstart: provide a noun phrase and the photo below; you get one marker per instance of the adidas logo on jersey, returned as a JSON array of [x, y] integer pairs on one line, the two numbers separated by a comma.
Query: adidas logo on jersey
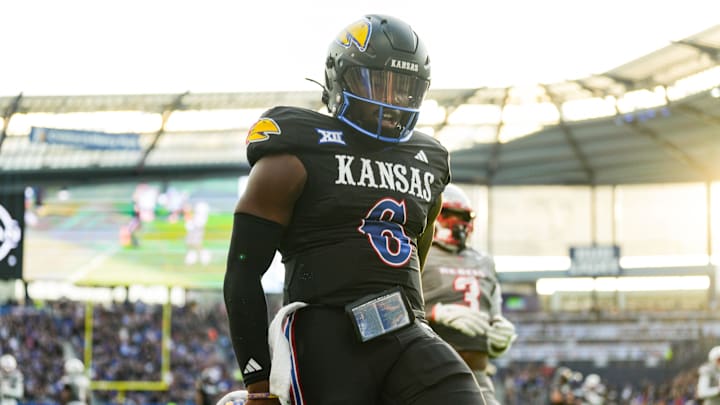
[[252, 366], [421, 156]]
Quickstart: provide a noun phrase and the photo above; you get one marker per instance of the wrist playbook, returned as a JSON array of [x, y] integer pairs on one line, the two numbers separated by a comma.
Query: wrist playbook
[[376, 315]]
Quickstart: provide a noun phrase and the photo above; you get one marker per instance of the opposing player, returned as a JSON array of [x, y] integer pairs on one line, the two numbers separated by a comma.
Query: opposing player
[[462, 291], [12, 389], [349, 200], [708, 387]]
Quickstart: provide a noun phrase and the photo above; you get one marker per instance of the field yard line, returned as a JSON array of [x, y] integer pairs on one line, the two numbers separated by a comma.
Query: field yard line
[[92, 264]]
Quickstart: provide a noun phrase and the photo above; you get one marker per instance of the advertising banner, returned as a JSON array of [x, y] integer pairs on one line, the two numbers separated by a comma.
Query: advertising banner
[[595, 261], [85, 139]]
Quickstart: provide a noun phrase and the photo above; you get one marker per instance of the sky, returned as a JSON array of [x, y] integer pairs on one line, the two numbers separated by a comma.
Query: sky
[[71, 47]]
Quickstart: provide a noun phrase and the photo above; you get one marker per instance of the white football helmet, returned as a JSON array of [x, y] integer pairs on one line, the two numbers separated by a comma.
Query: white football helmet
[[8, 363], [74, 366], [714, 356], [592, 381], [211, 375], [454, 224]]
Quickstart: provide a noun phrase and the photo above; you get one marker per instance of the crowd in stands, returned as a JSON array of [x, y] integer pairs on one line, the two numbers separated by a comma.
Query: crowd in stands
[[127, 341], [126, 346], [531, 384], [642, 358]]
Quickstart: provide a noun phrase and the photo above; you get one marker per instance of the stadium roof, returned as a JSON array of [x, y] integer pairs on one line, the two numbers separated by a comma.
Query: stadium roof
[[654, 119], [676, 143]]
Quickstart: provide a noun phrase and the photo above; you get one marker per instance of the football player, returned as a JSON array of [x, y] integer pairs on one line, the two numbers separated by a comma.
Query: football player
[[349, 199], [708, 386], [12, 389], [75, 384], [462, 291]]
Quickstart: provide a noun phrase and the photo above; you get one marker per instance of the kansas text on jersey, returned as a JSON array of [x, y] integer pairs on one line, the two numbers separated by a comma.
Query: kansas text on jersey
[[365, 202]]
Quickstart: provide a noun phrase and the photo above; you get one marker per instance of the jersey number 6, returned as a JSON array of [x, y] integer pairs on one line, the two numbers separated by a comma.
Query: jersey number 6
[[383, 225]]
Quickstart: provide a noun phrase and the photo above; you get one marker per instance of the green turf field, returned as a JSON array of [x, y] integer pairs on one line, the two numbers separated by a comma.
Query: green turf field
[[82, 240]]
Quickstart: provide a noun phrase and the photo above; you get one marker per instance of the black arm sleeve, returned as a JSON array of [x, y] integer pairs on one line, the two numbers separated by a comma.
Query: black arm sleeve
[[252, 249]]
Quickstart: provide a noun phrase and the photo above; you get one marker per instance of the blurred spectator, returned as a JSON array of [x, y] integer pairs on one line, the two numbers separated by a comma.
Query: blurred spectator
[[128, 340], [196, 219], [708, 386], [75, 385], [209, 386], [561, 390], [593, 390], [11, 381]]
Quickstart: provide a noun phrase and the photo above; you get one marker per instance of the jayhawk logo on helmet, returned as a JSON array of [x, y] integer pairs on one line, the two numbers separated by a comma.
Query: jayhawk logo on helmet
[[261, 130], [357, 33]]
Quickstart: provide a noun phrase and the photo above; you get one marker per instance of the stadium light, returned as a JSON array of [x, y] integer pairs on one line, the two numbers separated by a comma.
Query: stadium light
[[549, 286], [431, 113], [456, 137], [106, 121], [641, 99], [476, 114], [694, 84], [195, 120], [589, 108], [509, 264]]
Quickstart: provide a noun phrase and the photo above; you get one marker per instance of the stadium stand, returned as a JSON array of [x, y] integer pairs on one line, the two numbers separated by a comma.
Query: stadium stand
[[126, 347]]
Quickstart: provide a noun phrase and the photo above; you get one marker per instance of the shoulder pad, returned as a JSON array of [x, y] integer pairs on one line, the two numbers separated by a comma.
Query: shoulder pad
[[283, 130], [423, 140]]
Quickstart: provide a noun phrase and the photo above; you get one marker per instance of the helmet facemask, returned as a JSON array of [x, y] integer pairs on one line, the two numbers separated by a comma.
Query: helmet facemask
[[452, 228], [454, 224], [380, 103], [376, 76]]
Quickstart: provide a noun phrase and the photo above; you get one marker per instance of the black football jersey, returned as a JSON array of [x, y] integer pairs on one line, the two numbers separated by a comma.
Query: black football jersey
[[355, 226], [465, 278]]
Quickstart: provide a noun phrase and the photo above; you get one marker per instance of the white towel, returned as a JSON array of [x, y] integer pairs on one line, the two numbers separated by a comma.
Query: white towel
[[280, 378], [237, 397]]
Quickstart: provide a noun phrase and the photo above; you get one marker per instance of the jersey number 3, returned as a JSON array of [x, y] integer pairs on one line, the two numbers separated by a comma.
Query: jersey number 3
[[383, 226]]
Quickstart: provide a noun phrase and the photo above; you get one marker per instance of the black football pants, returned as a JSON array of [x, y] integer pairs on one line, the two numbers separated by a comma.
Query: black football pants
[[412, 366]]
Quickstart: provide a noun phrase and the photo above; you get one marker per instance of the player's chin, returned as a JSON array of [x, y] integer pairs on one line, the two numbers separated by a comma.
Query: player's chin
[[390, 124]]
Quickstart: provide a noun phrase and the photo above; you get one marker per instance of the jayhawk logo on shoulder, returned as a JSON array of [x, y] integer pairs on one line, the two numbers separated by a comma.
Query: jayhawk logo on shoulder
[[261, 130], [357, 33]]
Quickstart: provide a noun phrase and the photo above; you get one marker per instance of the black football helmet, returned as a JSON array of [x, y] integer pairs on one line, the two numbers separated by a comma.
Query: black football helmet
[[377, 73]]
